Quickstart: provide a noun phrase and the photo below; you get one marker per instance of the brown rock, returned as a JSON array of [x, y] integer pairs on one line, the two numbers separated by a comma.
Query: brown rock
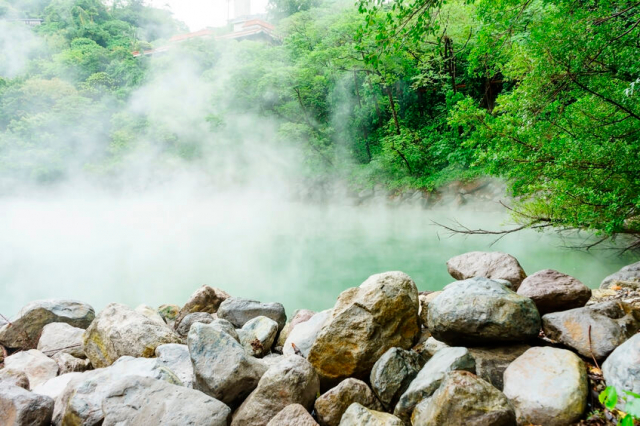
[[205, 299], [331, 405], [494, 265], [293, 415], [553, 291]]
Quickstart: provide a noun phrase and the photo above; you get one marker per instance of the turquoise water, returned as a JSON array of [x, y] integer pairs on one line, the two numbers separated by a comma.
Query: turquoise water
[[156, 250]]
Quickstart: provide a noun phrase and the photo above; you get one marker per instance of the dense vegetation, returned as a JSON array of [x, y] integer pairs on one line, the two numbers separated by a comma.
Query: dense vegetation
[[407, 93]]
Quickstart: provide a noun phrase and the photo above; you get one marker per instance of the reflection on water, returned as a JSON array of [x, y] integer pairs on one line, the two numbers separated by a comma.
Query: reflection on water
[[155, 250]]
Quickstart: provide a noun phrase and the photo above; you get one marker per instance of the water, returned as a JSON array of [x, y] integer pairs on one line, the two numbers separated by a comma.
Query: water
[[159, 249]]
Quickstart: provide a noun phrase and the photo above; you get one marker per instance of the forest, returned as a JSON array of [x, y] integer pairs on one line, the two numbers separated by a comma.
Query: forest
[[409, 94]]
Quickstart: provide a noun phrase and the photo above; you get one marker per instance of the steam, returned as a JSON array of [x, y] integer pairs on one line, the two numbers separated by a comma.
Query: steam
[[18, 44]]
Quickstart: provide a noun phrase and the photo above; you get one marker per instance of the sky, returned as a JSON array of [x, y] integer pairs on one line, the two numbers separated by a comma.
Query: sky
[[198, 14]]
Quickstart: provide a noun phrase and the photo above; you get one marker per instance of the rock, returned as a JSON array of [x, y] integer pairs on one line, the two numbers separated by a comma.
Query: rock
[[169, 313], [53, 388], [25, 329], [176, 358], [299, 316], [425, 299], [547, 386], [494, 265], [145, 401], [14, 377], [61, 337], [37, 366], [120, 331], [257, 335], [70, 364], [238, 311], [358, 415], [150, 313], [304, 335], [391, 375], [492, 361], [221, 367], [291, 381], [465, 399], [19, 407], [553, 291], [596, 329], [331, 405], [81, 400], [622, 368], [628, 277], [430, 377], [272, 359], [183, 326], [226, 327], [429, 348], [205, 299], [479, 311], [293, 415], [366, 322]]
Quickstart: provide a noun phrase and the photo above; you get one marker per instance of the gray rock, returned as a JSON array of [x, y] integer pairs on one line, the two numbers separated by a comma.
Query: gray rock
[[291, 381], [81, 400], [25, 329], [272, 359], [299, 316], [597, 329], [53, 388], [464, 399], [366, 322], [622, 369], [238, 311], [205, 299], [150, 313], [425, 299], [494, 265], [553, 291], [358, 415], [70, 364], [226, 327], [480, 310], [304, 335], [429, 347], [184, 326], [14, 377], [293, 415], [331, 405], [431, 376], [19, 407], [392, 374], [61, 337], [257, 335], [176, 358], [145, 401], [547, 386], [492, 361], [221, 367], [628, 277], [37, 366], [120, 331]]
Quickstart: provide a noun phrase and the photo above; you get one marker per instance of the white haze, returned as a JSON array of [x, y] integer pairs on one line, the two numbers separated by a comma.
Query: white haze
[[17, 44]]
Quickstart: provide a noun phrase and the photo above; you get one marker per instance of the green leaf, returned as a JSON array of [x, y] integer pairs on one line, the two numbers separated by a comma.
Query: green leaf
[[626, 421], [609, 397]]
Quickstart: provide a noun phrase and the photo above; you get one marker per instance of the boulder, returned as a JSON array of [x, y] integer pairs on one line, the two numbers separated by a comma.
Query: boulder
[[359, 415], [494, 265], [176, 358], [430, 377], [205, 299], [594, 330], [553, 291], [257, 335], [366, 321], [14, 377], [425, 299], [429, 347], [293, 415], [330, 406], [120, 331], [53, 388], [37, 366], [184, 326], [238, 311], [272, 359], [465, 399], [291, 381], [299, 316], [145, 401], [81, 401], [304, 335], [391, 375], [628, 277], [492, 361], [150, 313], [19, 407], [169, 313], [226, 327], [24, 331], [70, 364], [221, 367], [480, 310], [61, 337], [547, 386], [622, 369]]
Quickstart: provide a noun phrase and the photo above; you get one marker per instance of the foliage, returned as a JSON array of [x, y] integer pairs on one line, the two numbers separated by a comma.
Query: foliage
[[610, 399]]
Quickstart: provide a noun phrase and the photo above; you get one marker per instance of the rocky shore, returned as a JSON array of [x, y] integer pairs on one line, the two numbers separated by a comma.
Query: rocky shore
[[495, 347]]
